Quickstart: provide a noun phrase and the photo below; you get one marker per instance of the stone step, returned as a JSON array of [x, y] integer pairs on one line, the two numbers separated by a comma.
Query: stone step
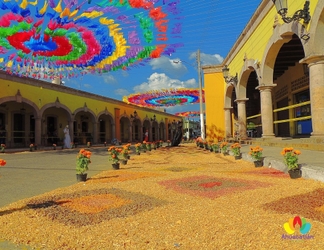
[[309, 144]]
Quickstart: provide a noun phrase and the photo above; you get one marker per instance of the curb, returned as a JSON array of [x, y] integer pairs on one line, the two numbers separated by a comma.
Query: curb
[[308, 171]]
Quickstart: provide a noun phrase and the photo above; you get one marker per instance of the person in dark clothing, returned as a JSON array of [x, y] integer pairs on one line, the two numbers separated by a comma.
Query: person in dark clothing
[[178, 135]]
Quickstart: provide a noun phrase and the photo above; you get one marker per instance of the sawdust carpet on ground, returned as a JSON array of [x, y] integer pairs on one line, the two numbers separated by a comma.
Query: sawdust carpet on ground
[[182, 197]]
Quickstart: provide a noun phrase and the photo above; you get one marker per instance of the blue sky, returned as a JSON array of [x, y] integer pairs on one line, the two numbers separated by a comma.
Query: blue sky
[[209, 25]]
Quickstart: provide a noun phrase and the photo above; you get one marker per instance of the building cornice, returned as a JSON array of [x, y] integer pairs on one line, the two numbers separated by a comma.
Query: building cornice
[[210, 69], [264, 7], [68, 90]]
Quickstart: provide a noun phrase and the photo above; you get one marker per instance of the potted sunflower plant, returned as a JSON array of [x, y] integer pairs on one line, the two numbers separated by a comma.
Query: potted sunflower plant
[[215, 147], [124, 153], [256, 154], [138, 147], [82, 164], [149, 146], [114, 153], [128, 147], [291, 160], [144, 147], [224, 147], [236, 150]]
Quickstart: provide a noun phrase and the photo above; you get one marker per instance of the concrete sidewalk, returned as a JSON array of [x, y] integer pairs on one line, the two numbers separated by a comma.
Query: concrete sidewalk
[[312, 161], [27, 174]]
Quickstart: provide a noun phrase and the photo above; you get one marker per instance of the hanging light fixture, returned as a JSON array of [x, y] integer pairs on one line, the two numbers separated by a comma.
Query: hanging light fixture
[[282, 9], [228, 78]]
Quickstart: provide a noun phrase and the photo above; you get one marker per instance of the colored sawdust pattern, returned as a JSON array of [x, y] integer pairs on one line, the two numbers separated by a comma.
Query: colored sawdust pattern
[[220, 204], [94, 206], [309, 205], [120, 176], [178, 169], [268, 172], [211, 187]]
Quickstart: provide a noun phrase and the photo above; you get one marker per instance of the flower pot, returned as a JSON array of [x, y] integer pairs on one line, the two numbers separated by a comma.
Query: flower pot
[[128, 157], [258, 163], [124, 162], [115, 165], [238, 157], [81, 177], [295, 173], [225, 153], [138, 153], [211, 150]]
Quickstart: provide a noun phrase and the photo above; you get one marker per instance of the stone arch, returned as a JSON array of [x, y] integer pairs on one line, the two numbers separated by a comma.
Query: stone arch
[[86, 110], [228, 96], [105, 112], [249, 66], [105, 127], [281, 35], [28, 121], [125, 125], [36, 110], [56, 105], [314, 45], [162, 131]]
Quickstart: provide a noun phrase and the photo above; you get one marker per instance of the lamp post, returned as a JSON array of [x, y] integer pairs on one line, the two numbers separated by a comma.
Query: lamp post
[[188, 137], [202, 121], [133, 117], [282, 9], [228, 78]]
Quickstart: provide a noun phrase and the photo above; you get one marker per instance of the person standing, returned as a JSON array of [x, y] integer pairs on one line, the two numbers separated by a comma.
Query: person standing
[[67, 138], [146, 136]]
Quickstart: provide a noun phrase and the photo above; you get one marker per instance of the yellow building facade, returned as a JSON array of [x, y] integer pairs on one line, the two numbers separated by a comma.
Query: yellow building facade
[[34, 111], [275, 82]]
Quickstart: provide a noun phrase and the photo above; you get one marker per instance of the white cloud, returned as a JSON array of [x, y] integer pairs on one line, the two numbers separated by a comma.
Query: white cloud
[[109, 78], [121, 92], [88, 86], [171, 66], [207, 59], [161, 81]]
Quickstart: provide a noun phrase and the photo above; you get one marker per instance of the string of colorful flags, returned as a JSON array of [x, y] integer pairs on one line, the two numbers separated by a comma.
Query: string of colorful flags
[[69, 38], [165, 97]]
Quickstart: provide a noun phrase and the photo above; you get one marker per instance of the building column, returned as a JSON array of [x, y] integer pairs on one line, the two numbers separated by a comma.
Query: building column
[[130, 137], [150, 132], [117, 124], [266, 110], [132, 129], [316, 91], [241, 110], [71, 131], [95, 132], [140, 134], [113, 129], [228, 123], [157, 133], [38, 131], [166, 129]]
